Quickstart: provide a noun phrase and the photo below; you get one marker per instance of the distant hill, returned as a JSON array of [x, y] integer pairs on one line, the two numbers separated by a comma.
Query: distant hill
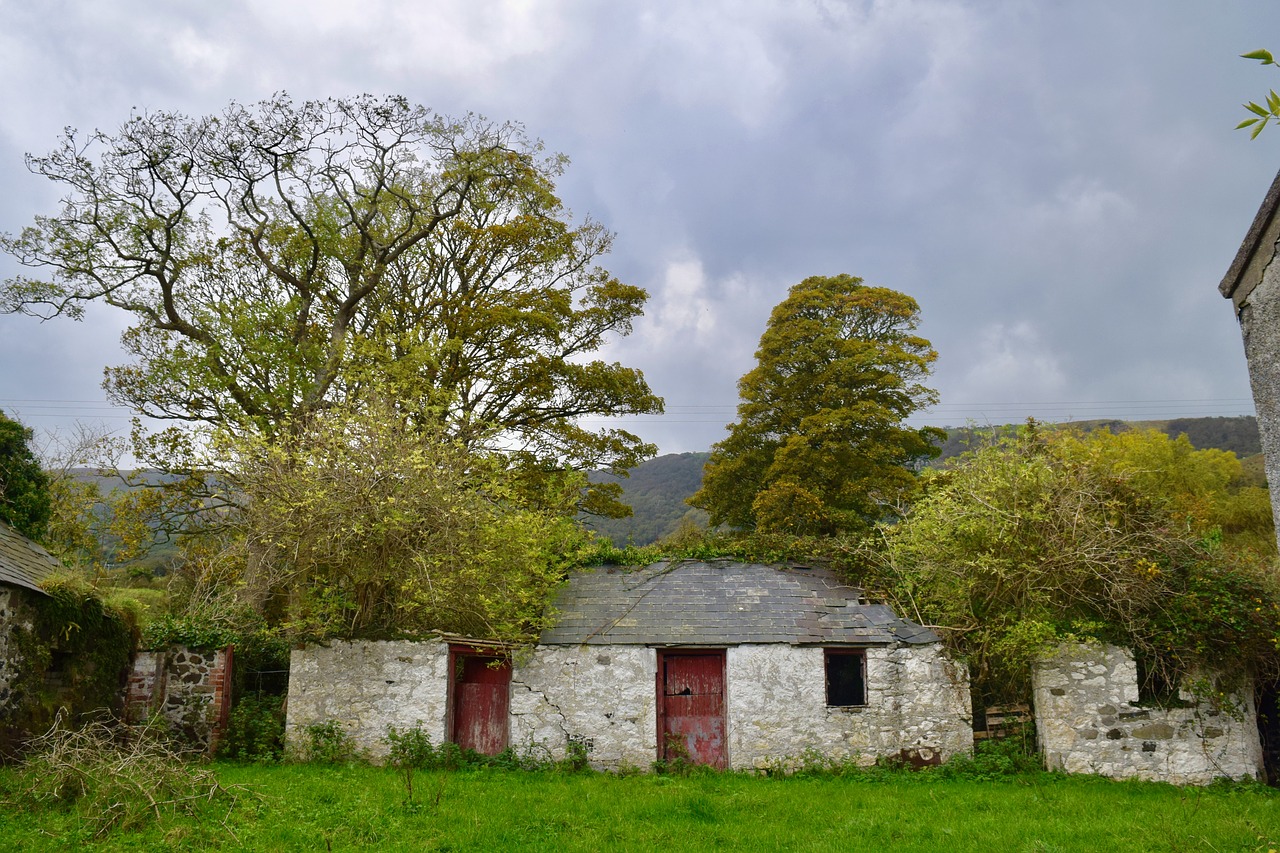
[[1237, 434], [657, 488], [655, 491]]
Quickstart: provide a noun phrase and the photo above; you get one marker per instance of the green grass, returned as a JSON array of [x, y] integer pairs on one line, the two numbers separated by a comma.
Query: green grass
[[356, 807]]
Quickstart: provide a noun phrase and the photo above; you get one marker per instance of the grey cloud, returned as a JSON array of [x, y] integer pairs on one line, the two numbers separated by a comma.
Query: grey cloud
[[1057, 184]]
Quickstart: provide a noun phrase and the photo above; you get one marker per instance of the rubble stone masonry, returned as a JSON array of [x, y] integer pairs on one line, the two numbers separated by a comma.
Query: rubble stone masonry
[[1088, 721]]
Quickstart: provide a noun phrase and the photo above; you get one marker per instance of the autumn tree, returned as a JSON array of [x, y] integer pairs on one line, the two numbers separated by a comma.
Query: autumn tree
[[24, 486], [364, 525], [1049, 535], [821, 445], [282, 259]]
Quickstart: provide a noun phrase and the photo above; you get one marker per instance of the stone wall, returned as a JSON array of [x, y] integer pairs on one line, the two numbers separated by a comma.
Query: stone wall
[[366, 686], [1087, 721], [604, 697], [1253, 285], [12, 615], [917, 706], [190, 688]]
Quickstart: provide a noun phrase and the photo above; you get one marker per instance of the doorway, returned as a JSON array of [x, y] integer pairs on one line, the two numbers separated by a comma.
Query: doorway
[[480, 699], [691, 706]]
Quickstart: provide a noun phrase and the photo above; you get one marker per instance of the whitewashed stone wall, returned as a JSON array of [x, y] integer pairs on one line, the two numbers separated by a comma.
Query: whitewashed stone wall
[[1087, 721], [366, 686], [917, 702], [603, 697]]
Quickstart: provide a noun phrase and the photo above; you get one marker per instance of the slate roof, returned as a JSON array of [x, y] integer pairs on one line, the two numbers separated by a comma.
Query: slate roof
[[721, 603], [22, 562]]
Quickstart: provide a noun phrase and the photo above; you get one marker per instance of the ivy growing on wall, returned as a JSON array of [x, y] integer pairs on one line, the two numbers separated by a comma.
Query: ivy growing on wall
[[67, 650]]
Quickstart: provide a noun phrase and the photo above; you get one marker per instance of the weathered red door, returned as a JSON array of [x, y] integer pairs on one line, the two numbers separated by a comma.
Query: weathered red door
[[481, 702], [692, 695]]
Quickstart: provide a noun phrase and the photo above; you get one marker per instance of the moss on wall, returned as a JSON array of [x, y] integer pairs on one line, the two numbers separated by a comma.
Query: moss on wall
[[66, 650]]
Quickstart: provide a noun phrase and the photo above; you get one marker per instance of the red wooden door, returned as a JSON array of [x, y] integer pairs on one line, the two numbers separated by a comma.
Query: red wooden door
[[693, 708], [481, 702]]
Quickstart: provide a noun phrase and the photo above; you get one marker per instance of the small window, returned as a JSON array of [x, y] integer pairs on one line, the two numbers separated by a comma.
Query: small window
[[846, 677]]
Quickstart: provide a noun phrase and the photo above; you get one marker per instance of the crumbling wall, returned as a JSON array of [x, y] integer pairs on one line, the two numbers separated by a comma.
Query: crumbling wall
[[601, 697], [366, 686], [1257, 302], [1087, 721], [61, 652], [189, 688], [12, 615], [917, 707]]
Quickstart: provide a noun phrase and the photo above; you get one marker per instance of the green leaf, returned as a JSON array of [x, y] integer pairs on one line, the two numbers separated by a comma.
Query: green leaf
[[1258, 129], [1246, 123], [1255, 108], [1263, 56]]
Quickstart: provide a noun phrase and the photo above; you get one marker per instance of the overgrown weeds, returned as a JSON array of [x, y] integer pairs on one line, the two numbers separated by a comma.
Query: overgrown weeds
[[115, 776], [328, 743], [255, 730]]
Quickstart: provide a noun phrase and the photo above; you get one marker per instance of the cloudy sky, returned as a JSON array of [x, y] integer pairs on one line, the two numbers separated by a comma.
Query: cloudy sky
[[1057, 182]]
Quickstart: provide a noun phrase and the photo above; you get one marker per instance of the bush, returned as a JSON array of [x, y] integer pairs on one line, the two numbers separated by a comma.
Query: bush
[[995, 758], [328, 743], [255, 731], [410, 749]]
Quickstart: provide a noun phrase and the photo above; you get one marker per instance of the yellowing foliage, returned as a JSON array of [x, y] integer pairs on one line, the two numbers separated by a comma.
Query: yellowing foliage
[[362, 524], [1052, 535]]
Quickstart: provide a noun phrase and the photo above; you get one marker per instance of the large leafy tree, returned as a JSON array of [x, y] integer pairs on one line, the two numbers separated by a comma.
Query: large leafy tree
[[821, 445], [1046, 536], [283, 259], [367, 525], [25, 501]]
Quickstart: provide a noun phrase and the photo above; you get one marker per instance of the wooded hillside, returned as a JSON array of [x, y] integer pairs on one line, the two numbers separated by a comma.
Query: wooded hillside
[[657, 488]]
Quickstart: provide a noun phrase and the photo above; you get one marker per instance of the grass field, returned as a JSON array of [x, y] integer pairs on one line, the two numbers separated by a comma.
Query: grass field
[[357, 807]]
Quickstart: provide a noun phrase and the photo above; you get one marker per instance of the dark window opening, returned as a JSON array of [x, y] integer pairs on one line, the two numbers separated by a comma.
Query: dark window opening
[[846, 677], [1158, 683]]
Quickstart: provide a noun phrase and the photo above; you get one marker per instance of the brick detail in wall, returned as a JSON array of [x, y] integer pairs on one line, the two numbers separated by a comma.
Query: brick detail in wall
[[189, 688]]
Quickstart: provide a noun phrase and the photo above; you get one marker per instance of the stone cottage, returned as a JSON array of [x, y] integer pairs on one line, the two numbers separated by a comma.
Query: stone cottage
[[733, 665]]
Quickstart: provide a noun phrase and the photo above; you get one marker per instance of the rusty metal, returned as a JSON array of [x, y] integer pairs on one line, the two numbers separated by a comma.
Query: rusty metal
[[481, 701], [693, 709]]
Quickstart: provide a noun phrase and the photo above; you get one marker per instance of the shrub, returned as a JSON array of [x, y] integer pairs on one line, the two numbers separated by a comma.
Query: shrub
[[995, 758], [410, 749], [255, 731], [328, 743]]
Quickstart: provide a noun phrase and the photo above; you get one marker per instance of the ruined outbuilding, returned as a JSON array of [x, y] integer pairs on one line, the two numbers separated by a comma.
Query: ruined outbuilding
[[61, 651], [1089, 719], [23, 565], [732, 665]]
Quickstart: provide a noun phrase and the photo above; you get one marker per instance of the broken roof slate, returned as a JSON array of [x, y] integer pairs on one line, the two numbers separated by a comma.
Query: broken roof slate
[[721, 603], [22, 562]]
